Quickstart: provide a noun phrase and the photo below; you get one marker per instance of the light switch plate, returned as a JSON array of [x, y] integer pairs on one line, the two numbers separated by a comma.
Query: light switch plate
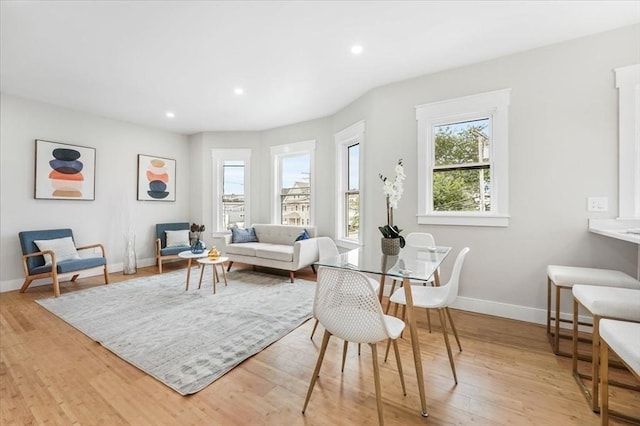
[[597, 204]]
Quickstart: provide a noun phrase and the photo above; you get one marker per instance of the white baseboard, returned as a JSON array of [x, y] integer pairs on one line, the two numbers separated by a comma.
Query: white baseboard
[[15, 284]]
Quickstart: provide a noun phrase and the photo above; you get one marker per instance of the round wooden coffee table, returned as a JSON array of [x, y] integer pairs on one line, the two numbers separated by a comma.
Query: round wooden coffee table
[[219, 261], [187, 254]]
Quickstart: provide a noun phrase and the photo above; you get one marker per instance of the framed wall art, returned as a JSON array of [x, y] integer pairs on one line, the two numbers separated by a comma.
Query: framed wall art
[[156, 178], [64, 171]]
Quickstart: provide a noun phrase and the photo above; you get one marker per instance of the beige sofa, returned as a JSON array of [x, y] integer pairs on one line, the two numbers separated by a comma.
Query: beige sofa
[[276, 248]]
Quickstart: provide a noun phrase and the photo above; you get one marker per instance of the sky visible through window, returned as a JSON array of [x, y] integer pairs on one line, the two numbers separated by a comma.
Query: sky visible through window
[[295, 168], [233, 179], [354, 167]]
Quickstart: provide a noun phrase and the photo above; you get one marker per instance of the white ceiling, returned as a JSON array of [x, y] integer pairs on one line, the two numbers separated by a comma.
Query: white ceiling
[[136, 60]]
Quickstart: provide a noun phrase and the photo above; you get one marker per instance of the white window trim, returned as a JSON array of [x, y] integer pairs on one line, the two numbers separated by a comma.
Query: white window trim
[[343, 139], [628, 84], [490, 104], [279, 151], [219, 156]]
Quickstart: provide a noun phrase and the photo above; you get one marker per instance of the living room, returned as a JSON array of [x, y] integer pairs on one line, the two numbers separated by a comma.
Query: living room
[[562, 149]]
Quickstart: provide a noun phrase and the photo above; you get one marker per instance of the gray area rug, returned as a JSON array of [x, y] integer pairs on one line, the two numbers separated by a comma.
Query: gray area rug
[[187, 339]]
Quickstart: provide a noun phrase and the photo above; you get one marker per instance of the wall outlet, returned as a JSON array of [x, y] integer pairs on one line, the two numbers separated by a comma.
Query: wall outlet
[[597, 204]]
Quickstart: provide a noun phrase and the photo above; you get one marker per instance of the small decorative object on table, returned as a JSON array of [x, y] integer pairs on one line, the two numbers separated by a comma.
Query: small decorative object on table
[[197, 246], [214, 253], [392, 241]]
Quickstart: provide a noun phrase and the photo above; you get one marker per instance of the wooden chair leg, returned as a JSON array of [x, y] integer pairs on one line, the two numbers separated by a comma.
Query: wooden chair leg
[[316, 371], [159, 266], [344, 354], [386, 352], [443, 321], [106, 275], [604, 383], [393, 287], [399, 362], [376, 376], [56, 285], [27, 282], [453, 327], [314, 329], [428, 319]]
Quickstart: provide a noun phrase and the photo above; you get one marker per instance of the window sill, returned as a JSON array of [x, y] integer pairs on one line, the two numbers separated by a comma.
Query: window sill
[[464, 220]]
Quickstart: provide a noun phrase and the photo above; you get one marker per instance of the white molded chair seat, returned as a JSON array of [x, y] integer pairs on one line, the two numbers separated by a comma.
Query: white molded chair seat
[[600, 302], [348, 307], [564, 278], [623, 338], [439, 298]]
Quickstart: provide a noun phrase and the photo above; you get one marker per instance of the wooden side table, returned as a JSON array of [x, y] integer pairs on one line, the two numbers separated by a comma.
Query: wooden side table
[[187, 254], [207, 261]]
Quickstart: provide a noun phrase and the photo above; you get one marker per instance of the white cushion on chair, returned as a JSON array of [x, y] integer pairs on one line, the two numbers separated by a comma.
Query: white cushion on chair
[[624, 339], [611, 302], [63, 248], [567, 276]]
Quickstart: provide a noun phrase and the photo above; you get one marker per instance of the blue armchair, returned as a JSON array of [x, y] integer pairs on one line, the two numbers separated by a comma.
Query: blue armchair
[[45, 263], [169, 253]]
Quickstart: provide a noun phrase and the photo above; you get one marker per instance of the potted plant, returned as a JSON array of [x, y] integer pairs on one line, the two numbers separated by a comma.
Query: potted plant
[[392, 241]]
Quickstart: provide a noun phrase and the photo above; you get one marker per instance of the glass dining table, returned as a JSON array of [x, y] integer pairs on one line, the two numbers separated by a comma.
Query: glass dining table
[[413, 263]]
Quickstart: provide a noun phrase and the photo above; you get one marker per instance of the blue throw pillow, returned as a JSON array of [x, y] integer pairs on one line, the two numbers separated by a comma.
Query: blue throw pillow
[[243, 235], [304, 235]]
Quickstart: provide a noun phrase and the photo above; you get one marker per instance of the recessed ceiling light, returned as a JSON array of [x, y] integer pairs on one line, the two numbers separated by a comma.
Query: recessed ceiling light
[[356, 50], [169, 114], [238, 90]]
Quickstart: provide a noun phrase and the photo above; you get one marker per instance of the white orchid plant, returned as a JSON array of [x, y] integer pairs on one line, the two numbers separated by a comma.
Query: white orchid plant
[[393, 190]]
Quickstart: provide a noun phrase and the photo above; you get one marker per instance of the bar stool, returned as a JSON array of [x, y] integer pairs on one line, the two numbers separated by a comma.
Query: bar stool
[[601, 302], [564, 278], [623, 339]]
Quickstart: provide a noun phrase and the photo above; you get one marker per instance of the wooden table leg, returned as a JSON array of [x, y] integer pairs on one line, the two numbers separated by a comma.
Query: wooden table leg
[[224, 274], [201, 274], [415, 344], [188, 273]]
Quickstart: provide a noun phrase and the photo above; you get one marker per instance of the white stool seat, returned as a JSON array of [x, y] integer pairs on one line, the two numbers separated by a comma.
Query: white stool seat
[[564, 278], [601, 302], [623, 337], [568, 276], [609, 302]]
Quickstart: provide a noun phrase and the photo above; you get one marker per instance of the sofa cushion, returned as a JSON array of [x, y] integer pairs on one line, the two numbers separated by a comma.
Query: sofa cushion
[[304, 235], [245, 249], [173, 250], [63, 248], [281, 234], [84, 263], [275, 252], [243, 235]]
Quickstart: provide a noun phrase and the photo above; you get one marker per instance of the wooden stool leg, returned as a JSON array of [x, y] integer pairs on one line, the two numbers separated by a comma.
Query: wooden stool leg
[[595, 363], [604, 383]]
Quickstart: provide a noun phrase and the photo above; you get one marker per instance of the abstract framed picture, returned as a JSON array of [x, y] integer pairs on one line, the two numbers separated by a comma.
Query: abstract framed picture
[[64, 171], [156, 178]]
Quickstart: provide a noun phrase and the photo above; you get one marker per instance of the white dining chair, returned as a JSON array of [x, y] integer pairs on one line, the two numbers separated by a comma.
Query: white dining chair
[[439, 298], [348, 307]]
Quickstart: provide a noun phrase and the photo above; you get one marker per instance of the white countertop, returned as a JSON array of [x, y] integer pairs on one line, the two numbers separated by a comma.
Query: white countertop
[[616, 228]]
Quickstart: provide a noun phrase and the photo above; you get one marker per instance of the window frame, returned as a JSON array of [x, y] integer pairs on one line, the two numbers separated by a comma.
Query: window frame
[[343, 140], [219, 156], [628, 85], [492, 105], [278, 152]]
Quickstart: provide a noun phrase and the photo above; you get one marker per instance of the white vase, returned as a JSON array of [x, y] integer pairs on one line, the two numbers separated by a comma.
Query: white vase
[[130, 263]]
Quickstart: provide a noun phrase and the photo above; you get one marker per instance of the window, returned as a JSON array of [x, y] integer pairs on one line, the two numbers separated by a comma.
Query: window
[[628, 84], [292, 170], [349, 143], [463, 162], [231, 188]]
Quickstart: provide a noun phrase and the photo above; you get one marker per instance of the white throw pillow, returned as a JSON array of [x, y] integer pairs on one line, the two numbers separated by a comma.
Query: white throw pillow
[[177, 238], [62, 247]]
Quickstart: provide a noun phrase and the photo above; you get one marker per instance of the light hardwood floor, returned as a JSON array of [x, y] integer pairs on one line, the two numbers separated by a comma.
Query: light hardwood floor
[[52, 374]]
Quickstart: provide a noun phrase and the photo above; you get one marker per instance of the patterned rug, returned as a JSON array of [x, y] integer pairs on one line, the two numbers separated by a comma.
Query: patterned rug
[[187, 339]]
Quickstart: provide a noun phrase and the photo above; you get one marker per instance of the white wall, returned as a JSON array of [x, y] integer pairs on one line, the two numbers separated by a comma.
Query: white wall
[[103, 220], [562, 149]]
